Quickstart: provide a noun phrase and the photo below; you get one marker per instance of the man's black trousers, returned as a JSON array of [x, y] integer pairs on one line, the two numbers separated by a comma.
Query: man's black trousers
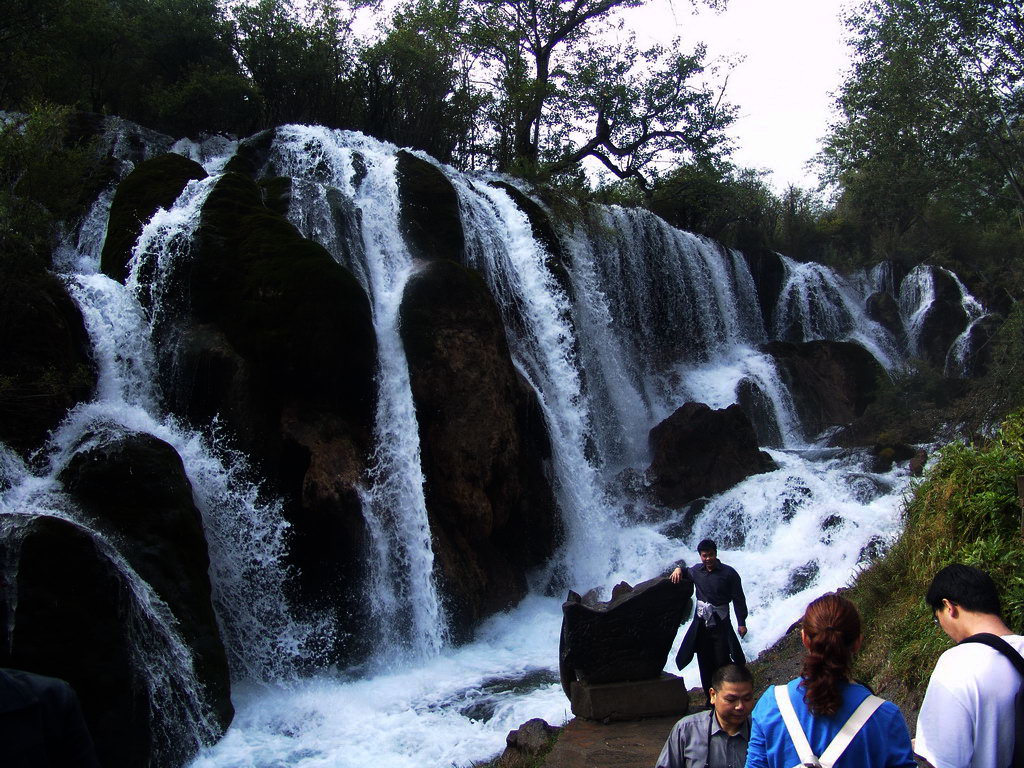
[[712, 648]]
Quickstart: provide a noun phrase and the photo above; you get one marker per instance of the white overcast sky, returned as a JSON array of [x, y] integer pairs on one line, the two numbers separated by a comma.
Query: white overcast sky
[[794, 60]]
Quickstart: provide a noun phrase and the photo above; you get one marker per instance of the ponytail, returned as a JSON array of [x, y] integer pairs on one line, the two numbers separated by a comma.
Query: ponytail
[[832, 626]]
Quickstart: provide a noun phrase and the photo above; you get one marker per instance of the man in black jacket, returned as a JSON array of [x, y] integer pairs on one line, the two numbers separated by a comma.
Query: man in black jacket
[[710, 634], [41, 724]]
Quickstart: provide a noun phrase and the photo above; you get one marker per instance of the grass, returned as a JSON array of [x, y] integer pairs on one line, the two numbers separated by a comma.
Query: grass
[[965, 510]]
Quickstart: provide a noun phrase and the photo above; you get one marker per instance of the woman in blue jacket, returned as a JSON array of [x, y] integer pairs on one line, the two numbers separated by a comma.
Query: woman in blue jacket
[[800, 722]]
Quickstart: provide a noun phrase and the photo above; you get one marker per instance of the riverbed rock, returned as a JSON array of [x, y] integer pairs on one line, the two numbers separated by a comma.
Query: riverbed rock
[[769, 274], [625, 639], [46, 366], [151, 185], [698, 451], [483, 443], [832, 382], [883, 309], [134, 488], [761, 412], [943, 321], [72, 621]]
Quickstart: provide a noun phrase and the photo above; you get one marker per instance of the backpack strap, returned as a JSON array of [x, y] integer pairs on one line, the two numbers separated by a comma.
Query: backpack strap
[[850, 729], [842, 739], [996, 642], [796, 732]]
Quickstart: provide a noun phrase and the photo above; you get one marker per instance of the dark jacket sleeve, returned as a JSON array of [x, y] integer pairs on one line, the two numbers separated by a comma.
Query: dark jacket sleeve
[[739, 601]]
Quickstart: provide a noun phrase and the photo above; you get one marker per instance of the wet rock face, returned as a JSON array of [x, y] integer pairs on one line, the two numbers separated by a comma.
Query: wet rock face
[[883, 309], [769, 274], [698, 452], [152, 184], [759, 409], [625, 639], [277, 340], [70, 623], [832, 382], [429, 210], [483, 444], [943, 321], [134, 487], [45, 367]]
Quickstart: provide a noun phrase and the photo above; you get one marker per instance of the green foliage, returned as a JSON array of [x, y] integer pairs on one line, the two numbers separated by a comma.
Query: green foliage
[[965, 510], [42, 181]]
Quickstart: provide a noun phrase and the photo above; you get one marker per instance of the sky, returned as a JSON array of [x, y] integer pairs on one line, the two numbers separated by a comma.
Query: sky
[[794, 59]]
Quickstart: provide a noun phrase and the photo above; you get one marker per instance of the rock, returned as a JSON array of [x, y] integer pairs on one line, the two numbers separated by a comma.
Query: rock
[[69, 622], [151, 185], [278, 341], [483, 444], [46, 367], [943, 321], [544, 232], [532, 737], [978, 353], [917, 463], [252, 154], [832, 382], [429, 210], [625, 639], [698, 452], [802, 577], [135, 489], [888, 453], [761, 412], [769, 275], [883, 309]]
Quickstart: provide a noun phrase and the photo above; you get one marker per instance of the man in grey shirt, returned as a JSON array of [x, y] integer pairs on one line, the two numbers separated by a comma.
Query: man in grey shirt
[[716, 738]]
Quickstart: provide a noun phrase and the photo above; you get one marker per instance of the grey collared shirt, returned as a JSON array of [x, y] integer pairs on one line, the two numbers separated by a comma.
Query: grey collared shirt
[[687, 745]]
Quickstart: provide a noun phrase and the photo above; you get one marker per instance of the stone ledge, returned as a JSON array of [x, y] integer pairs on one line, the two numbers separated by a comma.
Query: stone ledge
[[661, 697]]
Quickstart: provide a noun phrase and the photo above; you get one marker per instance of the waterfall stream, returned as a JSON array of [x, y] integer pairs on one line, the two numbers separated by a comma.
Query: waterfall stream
[[645, 318]]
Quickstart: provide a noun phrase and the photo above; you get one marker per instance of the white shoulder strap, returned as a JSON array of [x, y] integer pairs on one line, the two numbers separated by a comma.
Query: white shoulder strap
[[842, 740], [850, 729], [796, 732]]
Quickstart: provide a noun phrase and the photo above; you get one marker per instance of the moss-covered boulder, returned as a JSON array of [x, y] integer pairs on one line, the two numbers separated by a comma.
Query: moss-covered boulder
[[278, 341], [483, 443], [70, 618], [832, 382], [45, 367], [769, 274], [133, 486], [429, 214], [252, 154], [943, 321], [151, 185]]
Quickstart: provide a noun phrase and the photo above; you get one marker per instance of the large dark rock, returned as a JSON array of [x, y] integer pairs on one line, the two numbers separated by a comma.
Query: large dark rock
[[133, 486], [625, 639], [151, 185], [832, 382], [761, 412], [70, 620], [698, 452], [883, 309], [943, 321], [544, 232], [430, 218], [769, 274], [45, 366], [483, 444], [977, 354], [277, 340], [252, 154]]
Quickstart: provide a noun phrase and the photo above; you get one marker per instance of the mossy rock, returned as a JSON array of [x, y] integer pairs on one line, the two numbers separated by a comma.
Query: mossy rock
[[277, 194], [543, 232], [300, 320], [153, 184], [46, 367], [430, 218], [252, 154]]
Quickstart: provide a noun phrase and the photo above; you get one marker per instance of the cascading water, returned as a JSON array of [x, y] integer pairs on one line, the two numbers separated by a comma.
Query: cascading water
[[647, 318], [407, 610]]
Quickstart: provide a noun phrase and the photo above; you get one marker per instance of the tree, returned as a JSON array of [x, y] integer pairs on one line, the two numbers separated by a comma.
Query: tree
[[932, 108], [559, 76]]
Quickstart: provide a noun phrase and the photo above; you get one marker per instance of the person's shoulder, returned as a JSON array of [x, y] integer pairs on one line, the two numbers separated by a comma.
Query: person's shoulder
[[728, 569], [697, 720]]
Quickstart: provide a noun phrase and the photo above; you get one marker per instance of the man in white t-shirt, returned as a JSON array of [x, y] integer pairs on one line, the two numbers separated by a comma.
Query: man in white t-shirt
[[967, 719]]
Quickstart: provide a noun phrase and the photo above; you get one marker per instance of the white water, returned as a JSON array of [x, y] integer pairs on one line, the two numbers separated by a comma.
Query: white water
[[657, 317]]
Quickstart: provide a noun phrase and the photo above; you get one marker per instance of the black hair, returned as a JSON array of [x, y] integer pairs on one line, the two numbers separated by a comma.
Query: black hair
[[731, 673], [707, 545], [969, 587]]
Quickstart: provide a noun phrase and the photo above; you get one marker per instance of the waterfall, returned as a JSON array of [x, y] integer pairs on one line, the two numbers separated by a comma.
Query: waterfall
[[402, 591]]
